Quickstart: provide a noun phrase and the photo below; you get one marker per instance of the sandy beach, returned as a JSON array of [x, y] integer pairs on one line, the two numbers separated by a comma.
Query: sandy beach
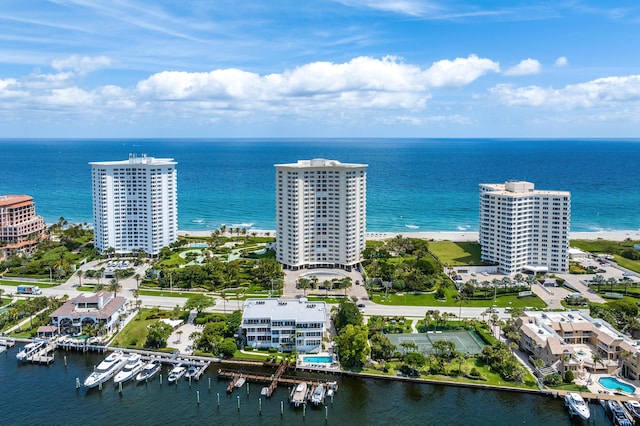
[[448, 236]]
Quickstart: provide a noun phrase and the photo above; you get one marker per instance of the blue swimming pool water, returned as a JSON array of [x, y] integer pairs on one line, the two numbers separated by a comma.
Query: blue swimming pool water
[[317, 359], [198, 245], [614, 384]]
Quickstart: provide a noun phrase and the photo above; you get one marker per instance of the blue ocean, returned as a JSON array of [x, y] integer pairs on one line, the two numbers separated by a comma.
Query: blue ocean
[[412, 184]]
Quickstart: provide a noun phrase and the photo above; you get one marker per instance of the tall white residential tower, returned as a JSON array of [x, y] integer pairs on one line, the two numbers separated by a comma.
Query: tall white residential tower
[[524, 229], [135, 204], [320, 213]]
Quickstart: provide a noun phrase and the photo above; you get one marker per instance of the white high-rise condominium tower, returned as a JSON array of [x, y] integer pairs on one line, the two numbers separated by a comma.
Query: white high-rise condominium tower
[[320, 213], [135, 204], [523, 229]]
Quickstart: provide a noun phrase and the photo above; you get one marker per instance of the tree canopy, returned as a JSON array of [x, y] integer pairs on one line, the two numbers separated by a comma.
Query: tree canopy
[[157, 334], [352, 345]]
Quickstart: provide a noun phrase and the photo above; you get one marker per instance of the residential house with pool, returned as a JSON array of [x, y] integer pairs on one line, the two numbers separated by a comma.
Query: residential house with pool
[[574, 340], [284, 324]]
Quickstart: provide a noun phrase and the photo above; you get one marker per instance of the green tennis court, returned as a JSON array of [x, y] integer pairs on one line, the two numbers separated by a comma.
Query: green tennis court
[[466, 341]]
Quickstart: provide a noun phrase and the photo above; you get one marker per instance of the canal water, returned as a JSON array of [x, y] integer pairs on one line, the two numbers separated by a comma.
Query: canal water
[[46, 395]]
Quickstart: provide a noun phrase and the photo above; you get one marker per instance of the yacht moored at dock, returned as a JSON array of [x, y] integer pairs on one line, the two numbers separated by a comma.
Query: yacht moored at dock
[[132, 367], [317, 397], [299, 394], [176, 372], [633, 407], [106, 369], [192, 372], [577, 406], [149, 370], [617, 414], [30, 349]]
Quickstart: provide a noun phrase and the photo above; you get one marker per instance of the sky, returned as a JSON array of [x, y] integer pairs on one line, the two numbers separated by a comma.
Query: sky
[[319, 68]]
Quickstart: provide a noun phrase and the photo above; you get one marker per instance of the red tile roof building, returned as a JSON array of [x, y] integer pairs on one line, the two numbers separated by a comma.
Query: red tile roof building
[[20, 227]]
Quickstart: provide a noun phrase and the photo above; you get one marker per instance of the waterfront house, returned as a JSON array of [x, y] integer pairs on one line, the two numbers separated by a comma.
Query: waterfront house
[[101, 309], [284, 324], [569, 340]]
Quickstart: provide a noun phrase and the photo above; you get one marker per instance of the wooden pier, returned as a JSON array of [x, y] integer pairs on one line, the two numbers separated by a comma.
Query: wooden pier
[[273, 380]]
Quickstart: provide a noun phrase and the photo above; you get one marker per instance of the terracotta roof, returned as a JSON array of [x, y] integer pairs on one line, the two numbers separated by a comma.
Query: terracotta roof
[[11, 200], [555, 345]]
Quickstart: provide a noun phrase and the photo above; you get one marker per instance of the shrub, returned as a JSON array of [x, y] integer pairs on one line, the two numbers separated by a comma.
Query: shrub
[[273, 350], [474, 372], [553, 379], [568, 376]]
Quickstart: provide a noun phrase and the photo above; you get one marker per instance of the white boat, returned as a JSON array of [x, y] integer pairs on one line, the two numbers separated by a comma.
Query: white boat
[[617, 414], [317, 397], [332, 387], [299, 394], [191, 373], [576, 405], [29, 350], [132, 367], [106, 369], [175, 373], [633, 407], [149, 370], [240, 382]]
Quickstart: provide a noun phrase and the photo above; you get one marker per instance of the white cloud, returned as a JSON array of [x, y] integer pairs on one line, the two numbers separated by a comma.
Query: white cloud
[[81, 64], [460, 71], [561, 62], [363, 82], [596, 93], [403, 7], [525, 67]]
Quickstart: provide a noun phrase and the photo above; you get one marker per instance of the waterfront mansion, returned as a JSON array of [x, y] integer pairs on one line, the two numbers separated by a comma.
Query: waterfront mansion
[[100, 309], [284, 324], [569, 340]]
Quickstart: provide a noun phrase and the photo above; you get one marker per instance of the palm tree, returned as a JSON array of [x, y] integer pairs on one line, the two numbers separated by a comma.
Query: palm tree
[[137, 278], [346, 282], [304, 284], [114, 286], [223, 295], [611, 282], [598, 280], [461, 297], [427, 320], [597, 359], [1, 291], [79, 273]]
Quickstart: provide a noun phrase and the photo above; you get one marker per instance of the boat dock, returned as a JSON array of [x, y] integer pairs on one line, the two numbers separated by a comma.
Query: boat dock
[[43, 356], [6, 344], [273, 380]]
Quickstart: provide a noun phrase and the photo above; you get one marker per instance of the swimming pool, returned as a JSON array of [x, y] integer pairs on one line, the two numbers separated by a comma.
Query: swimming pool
[[322, 274], [198, 245], [614, 384], [317, 359]]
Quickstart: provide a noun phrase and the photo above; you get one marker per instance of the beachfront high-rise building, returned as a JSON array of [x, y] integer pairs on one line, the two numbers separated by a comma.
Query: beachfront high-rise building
[[20, 227], [320, 214], [523, 229], [135, 204]]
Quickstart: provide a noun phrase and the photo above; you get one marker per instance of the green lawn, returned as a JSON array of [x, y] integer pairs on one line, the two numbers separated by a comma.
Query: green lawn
[[134, 335], [610, 247], [167, 293], [17, 283], [633, 265], [490, 378], [430, 300], [456, 253]]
